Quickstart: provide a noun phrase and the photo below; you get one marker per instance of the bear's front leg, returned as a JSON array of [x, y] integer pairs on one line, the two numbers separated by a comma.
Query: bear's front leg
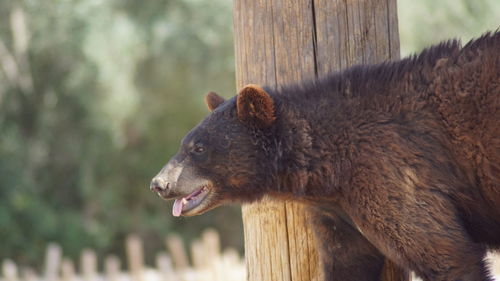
[[421, 231], [345, 254]]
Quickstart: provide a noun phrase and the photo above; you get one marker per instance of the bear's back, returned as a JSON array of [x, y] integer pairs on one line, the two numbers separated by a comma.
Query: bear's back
[[467, 91]]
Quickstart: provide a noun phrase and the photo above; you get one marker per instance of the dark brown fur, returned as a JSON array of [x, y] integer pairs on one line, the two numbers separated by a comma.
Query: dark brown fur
[[255, 106], [213, 100], [397, 160], [411, 152]]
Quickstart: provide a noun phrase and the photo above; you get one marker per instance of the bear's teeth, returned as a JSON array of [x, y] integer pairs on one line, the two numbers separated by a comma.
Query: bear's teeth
[[184, 201]]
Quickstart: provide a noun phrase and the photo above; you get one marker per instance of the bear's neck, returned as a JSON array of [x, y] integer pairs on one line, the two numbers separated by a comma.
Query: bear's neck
[[321, 126], [313, 152]]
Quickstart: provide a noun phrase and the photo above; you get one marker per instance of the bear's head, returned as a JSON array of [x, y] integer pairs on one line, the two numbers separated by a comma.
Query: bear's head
[[226, 158]]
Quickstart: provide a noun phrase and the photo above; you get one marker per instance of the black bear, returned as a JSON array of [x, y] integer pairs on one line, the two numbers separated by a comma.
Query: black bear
[[398, 160]]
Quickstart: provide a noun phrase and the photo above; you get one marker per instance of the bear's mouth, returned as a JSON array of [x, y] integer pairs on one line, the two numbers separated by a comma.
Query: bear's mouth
[[189, 203]]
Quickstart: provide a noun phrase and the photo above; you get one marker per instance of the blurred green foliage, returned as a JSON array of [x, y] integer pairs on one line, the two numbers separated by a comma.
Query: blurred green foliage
[[95, 96], [426, 22]]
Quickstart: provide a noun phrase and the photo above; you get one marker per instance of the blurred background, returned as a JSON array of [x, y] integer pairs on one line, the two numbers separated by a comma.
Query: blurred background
[[95, 96]]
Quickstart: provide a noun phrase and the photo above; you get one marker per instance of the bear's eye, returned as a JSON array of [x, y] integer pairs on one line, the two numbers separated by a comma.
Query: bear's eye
[[199, 149]]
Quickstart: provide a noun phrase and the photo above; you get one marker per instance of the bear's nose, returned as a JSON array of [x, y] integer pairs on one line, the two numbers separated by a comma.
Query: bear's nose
[[159, 185]]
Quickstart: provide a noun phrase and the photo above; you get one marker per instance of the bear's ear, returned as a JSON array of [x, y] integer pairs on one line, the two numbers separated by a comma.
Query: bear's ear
[[213, 100], [255, 107]]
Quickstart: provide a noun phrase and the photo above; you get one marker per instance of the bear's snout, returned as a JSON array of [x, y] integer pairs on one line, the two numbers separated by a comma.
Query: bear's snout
[[165, 183], [159, 185]]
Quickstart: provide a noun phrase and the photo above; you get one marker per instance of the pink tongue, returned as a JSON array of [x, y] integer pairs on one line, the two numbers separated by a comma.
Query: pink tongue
[[177, 209]]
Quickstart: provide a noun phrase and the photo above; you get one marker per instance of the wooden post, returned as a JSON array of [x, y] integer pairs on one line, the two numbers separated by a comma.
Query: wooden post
[[29, 274], [211, 246], [112, 268], [52, 262], [88, 265], [67, 270], [197, 255], [135, 257], [9, 270], [177, 251], [283, 41], [165, 267]]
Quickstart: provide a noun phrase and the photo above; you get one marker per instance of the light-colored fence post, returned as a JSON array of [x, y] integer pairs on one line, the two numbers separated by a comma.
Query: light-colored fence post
[[9, 270], [177, 251], [208, 264], [52, 262], [165, 268], [135, 257], [67, 270], [231, 259], [211, 242], [28, 274], [88, 265], [198, 255], [112, 268], [211, 245]]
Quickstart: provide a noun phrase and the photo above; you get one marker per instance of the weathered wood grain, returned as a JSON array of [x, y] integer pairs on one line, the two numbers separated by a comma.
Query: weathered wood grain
[[282, 41]]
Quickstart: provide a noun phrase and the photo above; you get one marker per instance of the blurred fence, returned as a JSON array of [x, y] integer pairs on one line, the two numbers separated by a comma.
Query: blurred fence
[[207, 264]]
